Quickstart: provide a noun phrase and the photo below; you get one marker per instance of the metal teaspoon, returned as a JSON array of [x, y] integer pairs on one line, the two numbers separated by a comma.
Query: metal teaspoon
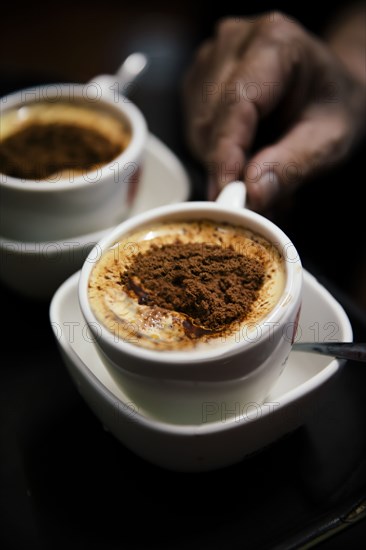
[[340, 350]]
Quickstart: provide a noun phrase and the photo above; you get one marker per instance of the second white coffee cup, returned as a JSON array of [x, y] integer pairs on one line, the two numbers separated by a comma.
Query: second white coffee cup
[[57, 208]]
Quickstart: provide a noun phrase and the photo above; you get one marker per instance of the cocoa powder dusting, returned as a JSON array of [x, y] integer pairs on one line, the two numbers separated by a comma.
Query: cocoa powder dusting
[[213, 286], [40, 150]]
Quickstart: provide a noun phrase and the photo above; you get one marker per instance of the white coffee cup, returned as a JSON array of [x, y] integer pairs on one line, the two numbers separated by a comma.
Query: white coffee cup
[[60, 207], [195, 385]]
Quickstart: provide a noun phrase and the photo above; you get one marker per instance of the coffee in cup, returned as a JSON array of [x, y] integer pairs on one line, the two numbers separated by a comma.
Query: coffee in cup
[[184, 285], [56, 140]]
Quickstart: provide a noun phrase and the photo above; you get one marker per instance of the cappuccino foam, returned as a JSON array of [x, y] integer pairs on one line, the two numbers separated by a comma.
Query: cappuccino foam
[[60, 139], [130, 304]]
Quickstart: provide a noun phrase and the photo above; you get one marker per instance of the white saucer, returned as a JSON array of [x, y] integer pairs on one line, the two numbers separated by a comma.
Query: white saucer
[[37, 269], [209, 445]]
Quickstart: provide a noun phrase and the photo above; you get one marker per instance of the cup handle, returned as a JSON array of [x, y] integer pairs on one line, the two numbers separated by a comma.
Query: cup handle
[[233, 195]]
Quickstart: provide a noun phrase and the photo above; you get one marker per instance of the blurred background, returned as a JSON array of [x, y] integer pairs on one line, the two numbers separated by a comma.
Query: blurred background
[[75, 41]]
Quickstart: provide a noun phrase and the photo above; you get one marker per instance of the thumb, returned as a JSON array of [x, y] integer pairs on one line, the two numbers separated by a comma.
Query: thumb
[[313, 143]]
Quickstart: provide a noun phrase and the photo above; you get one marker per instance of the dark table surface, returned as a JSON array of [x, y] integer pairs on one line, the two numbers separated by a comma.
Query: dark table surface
[[66, 482]]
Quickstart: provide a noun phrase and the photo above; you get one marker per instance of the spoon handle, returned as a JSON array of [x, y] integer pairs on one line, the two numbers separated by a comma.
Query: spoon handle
[[132, 67], [342, 350]]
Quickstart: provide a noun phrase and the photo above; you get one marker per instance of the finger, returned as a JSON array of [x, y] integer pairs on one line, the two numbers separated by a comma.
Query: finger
[[320, 138], [214, 63], [215, 60], [245, 99]]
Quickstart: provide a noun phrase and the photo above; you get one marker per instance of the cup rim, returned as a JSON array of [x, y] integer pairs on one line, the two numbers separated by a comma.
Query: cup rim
[[132, 151], [259, 223]]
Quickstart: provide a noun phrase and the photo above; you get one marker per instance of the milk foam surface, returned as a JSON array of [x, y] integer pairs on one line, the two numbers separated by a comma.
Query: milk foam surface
[[156, 328], [109, 123]]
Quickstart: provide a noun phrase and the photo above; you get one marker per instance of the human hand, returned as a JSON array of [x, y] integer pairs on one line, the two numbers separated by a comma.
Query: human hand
[[263, 69]]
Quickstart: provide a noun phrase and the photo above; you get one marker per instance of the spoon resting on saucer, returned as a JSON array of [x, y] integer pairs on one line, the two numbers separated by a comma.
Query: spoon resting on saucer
[[340, 350]]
